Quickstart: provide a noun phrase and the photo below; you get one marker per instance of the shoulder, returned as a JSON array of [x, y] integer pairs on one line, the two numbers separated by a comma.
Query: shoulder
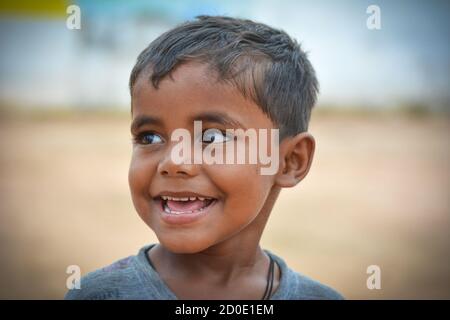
[[304, 287], [296, 286], [106, 283]]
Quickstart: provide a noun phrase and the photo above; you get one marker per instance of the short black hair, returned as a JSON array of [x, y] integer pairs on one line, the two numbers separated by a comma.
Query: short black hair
[[264, 63]]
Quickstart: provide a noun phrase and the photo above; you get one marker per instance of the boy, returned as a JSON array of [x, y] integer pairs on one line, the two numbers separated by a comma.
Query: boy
[[230, 74]]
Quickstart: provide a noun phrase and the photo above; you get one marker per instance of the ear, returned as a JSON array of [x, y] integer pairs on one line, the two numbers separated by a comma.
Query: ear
[[296, 154]]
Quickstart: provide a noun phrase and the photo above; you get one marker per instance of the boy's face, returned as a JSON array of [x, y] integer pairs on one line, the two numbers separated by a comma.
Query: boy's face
[[237, 192]]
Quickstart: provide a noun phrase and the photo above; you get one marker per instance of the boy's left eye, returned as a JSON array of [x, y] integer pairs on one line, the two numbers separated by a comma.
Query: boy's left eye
[[215, 136]]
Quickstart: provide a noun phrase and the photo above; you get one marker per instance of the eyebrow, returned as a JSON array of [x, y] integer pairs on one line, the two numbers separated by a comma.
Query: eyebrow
[[216, 117], [140, 121]]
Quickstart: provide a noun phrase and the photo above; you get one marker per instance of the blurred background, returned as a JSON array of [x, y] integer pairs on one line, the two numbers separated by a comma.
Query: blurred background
[[378, 190]]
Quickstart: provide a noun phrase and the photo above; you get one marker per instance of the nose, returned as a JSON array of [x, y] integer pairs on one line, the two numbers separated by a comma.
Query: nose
[[169, 168]]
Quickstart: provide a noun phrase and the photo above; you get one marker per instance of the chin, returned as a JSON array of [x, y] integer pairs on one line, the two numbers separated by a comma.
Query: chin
[[177, 244]]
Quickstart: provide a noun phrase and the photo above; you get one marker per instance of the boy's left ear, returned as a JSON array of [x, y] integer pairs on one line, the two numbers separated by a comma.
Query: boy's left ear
[[296, 154]]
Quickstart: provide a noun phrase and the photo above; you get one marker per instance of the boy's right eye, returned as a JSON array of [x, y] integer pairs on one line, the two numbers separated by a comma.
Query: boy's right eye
[[148, 138]]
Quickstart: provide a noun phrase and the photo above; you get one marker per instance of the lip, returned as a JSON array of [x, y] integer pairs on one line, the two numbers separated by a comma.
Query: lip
[[181, 194], [184, 218]]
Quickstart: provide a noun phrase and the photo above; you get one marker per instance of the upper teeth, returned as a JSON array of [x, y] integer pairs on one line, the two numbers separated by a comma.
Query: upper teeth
[[184, 198]]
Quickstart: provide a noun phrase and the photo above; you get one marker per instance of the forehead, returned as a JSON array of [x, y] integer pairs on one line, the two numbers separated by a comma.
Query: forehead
[[193, 88]]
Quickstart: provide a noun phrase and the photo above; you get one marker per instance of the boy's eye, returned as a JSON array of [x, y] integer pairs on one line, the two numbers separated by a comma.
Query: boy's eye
[[148, 138], [215, 136]]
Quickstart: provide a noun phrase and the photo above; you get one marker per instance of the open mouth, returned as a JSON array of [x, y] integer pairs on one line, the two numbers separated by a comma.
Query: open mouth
[[184, 205]]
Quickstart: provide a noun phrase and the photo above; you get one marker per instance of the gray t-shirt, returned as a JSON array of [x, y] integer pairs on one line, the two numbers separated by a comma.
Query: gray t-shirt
[[133, 278]]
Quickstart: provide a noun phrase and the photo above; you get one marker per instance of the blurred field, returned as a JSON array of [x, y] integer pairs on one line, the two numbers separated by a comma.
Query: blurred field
[[378, 193]]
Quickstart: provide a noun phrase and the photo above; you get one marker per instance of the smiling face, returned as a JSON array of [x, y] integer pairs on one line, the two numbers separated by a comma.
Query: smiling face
[[192, 207]]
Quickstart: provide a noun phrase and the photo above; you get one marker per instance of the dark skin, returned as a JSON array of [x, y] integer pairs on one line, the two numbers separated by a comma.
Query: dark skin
[[218, 256]]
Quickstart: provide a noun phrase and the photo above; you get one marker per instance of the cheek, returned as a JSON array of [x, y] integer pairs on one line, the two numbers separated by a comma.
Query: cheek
[[244, 189], [139, 177]]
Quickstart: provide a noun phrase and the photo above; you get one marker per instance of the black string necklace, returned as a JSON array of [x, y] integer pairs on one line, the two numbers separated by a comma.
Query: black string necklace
[[270, 277]]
